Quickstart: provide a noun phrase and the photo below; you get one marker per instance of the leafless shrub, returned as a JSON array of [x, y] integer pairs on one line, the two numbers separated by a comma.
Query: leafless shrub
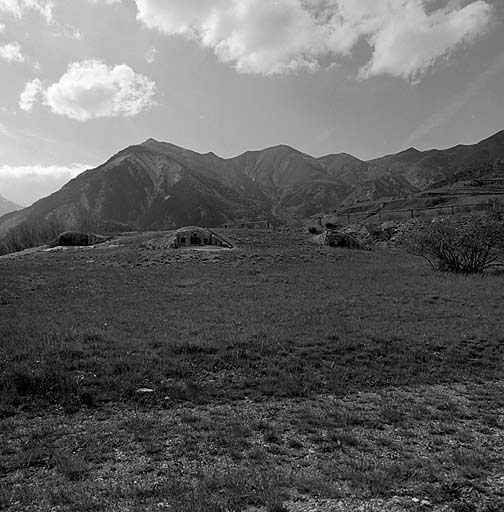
[[466, 244]]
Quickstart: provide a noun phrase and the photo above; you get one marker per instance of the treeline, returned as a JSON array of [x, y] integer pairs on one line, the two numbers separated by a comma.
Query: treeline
[[33, 233], [30, 234]]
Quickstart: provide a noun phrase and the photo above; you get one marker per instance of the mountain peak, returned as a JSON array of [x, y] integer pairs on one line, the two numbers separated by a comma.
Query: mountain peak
[[157, 143], [286, 147], [281, 149], [340, 156], [150, 140], [410, 150]]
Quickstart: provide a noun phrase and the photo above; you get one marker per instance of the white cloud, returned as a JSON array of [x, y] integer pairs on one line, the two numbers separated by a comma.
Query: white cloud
[[406, 37], [18, 7], [11, 52], [40, 171], [151, 55], [410, 45], [3, 130], [26, 184], [32, 92], [91, 89]]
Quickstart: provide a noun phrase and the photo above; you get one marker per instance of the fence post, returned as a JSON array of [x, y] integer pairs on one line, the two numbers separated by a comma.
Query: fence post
[[453, 210], [412, 214]]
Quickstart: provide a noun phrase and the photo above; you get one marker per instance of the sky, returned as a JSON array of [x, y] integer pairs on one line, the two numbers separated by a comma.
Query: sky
[[82, 79]]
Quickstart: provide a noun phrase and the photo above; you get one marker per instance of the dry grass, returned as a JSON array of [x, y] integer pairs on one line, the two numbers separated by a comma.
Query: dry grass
[[281, 371]]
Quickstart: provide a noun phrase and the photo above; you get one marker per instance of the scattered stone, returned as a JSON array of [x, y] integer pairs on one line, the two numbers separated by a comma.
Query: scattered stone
[[54, 249], [145, 391]]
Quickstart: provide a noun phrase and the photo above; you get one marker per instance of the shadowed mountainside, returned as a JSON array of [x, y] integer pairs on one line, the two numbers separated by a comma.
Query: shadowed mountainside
[[157, 185]]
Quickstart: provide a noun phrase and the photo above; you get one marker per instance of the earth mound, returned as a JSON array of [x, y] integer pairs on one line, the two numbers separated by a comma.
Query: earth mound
[[77, 239]]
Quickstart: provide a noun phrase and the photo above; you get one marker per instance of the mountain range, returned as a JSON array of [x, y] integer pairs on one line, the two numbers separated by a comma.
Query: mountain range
[[7, 206], [157, 185]]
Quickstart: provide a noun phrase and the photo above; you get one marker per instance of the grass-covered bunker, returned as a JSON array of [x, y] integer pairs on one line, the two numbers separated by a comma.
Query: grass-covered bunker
[[77, 239], [345, 240], [191, 236]]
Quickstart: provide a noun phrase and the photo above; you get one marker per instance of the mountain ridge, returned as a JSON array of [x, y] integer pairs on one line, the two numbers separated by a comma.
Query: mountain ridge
[[158, 185], [8, 206]]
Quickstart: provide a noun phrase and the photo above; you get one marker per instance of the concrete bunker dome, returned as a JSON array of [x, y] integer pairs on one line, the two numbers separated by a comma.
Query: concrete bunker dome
[[194, 236]]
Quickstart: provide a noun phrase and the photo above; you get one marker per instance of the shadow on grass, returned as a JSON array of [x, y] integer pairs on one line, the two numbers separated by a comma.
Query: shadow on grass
[[83, 369]]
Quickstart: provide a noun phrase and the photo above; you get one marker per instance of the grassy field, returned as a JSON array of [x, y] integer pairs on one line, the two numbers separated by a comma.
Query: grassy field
[[281, 376]]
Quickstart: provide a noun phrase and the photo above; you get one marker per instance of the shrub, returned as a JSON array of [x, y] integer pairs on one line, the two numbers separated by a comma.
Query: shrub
[[465, 244]]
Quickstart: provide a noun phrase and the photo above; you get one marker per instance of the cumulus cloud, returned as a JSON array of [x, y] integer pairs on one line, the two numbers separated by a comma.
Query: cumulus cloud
[[11, 52], [406, 37], [91, 89], [31, 93], [18, 7], [26, 184], [408, 47]]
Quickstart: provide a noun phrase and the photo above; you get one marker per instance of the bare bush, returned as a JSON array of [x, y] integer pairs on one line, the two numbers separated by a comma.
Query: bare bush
[[465, 244]]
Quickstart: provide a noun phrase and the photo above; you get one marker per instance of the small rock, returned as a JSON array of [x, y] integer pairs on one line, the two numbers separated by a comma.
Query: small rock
[[426, 503], [144, 391]]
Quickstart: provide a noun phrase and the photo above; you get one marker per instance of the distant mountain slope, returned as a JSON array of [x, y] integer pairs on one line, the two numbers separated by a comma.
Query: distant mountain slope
[[7, 206], [424, 168], [157, 185]]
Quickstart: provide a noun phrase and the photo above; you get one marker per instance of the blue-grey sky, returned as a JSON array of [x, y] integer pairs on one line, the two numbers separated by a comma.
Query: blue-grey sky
[[81, 79]]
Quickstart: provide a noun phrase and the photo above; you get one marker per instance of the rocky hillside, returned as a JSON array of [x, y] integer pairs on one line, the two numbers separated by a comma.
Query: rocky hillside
[[157, 185]]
